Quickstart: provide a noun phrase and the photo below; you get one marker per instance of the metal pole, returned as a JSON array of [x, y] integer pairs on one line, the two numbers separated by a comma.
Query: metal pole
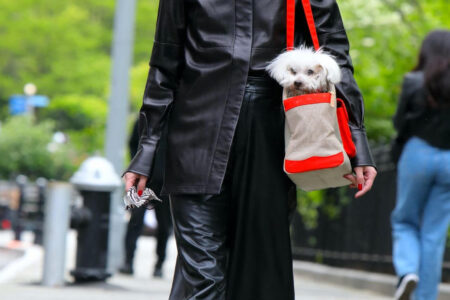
[[122, 57], [56, 227]]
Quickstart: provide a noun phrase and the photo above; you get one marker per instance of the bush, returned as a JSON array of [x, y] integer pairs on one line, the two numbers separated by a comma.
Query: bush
[[24, 148], [82, 118]]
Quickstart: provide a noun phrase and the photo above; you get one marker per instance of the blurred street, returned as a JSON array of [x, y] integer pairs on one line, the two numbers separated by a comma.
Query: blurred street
[[20, 278]]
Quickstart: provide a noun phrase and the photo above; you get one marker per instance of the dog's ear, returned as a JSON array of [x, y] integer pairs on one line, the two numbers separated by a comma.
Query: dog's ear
[[331, 67], [278, 68]]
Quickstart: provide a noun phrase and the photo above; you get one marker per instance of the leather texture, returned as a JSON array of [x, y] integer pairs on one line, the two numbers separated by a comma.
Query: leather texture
[[236, 245], [202, 55], [416, 117]]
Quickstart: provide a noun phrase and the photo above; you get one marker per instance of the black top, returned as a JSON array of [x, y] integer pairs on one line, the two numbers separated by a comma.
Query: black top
[[415, 117], [202, 56]]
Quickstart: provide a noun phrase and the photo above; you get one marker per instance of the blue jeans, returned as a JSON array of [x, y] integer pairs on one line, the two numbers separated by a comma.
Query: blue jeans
[[421, 215]]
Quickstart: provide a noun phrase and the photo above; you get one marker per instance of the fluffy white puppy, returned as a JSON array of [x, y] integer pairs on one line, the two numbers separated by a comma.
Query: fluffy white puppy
[[303, 71]]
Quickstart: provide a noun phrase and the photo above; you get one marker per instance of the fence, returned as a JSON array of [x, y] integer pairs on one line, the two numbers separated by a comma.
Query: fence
[[360, 237]]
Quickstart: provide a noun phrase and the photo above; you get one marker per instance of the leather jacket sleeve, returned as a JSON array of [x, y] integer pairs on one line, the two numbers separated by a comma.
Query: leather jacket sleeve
[[163, 76], [333, 39]]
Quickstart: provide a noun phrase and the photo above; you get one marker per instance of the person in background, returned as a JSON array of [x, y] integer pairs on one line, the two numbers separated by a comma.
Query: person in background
[[162, 212], [422, 212]]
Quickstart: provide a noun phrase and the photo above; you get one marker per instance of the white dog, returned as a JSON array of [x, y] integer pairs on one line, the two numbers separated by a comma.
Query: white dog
[[303, 71]]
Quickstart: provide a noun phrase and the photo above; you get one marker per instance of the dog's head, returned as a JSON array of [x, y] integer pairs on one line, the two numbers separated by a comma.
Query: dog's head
[[305, 69]]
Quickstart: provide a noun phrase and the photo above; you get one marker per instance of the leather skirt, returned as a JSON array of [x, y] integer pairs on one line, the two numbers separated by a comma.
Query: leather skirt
[[236, 245]]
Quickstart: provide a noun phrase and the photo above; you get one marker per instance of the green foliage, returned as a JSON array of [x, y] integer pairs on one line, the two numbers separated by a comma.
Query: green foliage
[[328, 202], [308, 205], [83, 118], [385, 38], [61, 46], [25, 150], [64, 48]]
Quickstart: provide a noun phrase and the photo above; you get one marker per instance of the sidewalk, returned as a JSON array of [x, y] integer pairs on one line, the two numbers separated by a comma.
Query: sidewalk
[[20, 280]]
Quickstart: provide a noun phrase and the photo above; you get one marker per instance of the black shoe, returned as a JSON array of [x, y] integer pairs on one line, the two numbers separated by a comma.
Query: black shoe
[[157, 273], [405, 286], [126, 269]]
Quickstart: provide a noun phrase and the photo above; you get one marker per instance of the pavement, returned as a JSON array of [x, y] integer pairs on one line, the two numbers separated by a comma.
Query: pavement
[[8, 254], [20, 278]]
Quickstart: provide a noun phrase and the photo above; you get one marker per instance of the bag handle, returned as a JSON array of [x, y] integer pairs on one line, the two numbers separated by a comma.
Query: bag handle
[[290, 23]]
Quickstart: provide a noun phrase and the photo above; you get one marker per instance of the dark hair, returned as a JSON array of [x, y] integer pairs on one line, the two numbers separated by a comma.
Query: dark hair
[[434, 62]]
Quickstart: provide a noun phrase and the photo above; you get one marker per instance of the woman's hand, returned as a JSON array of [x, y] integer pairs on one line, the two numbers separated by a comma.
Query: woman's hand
[[135, 179], [363, 180]]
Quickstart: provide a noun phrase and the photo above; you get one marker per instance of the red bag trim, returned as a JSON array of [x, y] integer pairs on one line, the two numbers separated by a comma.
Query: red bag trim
[[313, 163], [306, 99], [346, 135]]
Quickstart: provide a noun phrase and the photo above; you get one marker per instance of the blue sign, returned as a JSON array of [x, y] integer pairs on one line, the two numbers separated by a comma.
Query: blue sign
[[17, 104], [38, 101]]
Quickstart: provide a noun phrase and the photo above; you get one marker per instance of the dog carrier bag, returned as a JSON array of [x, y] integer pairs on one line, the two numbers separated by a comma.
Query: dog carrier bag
[[318, 139]]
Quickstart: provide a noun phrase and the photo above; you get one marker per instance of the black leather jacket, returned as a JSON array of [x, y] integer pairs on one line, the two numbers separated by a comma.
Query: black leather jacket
[[202, 55], [416, 117]]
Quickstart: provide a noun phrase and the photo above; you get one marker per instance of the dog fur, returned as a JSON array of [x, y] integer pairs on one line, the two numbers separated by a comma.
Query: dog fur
[[304, 70]]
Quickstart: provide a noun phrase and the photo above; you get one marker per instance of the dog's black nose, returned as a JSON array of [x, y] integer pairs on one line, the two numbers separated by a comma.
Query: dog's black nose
[[298, 83]]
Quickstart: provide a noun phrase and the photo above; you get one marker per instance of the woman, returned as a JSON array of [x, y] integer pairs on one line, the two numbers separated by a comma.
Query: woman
[[228, 192], [422, 212]]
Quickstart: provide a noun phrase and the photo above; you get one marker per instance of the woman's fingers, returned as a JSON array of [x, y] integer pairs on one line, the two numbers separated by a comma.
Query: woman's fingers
[[369, 174], [363, 179], [359, 171], [130, 180], [141, 184], [352, 179], [133, 179]]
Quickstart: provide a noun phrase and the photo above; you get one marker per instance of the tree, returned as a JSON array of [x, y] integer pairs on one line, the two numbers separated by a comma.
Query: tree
[[385, 39], [64, 48]]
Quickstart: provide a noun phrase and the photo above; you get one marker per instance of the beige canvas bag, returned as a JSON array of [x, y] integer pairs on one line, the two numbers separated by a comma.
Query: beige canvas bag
[[317, 135]]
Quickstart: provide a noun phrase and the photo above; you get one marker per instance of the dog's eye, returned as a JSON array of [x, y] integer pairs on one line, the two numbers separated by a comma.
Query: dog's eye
[[292, 71], [310, 72]]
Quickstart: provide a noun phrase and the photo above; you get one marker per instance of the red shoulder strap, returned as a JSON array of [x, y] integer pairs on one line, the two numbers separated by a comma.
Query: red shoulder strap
[[290, 23]]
